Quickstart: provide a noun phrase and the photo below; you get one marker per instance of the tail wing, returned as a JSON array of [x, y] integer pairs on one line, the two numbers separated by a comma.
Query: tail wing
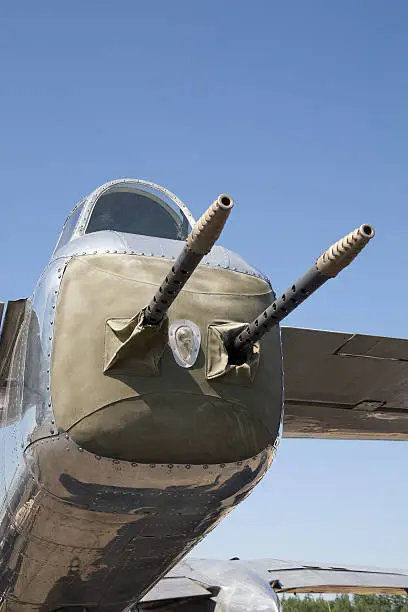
[[341, 385]]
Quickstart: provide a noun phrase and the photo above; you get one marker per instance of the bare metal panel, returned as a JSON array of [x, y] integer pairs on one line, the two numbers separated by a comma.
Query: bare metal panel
[[340, 385], [176, 588]]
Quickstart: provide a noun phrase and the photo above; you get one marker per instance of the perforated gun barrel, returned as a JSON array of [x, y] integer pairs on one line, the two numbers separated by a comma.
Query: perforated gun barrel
[[198, 243], [328, 265]]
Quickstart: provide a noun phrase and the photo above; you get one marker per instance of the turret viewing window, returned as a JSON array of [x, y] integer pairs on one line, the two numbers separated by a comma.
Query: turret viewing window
[[137, 213]]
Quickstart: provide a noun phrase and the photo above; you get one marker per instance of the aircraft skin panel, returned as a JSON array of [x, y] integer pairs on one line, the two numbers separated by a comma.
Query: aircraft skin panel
[[344, 386], [116, 243], [103, 519], [177, 587]]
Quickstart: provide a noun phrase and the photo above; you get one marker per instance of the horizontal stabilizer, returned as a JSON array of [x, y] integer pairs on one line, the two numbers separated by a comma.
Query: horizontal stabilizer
[[340, 385]]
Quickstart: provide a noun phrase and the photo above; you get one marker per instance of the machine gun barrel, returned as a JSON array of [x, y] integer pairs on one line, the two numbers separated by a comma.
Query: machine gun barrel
[[328, 265], [198, 243]]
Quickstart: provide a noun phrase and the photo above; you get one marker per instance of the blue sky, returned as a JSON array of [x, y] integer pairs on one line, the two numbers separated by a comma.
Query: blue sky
[[299, 111]]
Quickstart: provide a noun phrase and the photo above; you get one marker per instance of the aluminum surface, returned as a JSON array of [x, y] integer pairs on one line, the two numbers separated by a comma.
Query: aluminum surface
[[84, 530]]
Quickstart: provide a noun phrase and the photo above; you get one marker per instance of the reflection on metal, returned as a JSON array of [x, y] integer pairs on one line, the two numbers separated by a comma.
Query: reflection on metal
[[184, 341], [98, 532]]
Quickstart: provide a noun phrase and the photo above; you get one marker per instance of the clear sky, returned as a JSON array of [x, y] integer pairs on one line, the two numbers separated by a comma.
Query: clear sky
[[299, 110]]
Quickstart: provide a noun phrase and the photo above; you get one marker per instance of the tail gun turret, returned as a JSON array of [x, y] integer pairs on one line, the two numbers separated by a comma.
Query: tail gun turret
[[198, 243], [328, 265]]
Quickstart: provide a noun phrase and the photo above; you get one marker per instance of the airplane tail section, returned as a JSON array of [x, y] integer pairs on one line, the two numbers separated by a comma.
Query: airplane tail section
[[253, 584]]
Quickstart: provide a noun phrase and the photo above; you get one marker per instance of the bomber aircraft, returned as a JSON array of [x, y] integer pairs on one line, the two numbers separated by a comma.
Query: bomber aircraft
[[142, 395]]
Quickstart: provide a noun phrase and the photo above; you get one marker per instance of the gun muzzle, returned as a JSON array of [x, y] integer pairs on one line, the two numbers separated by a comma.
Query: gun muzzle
[[342, 252], [328, 265], [198, 243], [208, 228]]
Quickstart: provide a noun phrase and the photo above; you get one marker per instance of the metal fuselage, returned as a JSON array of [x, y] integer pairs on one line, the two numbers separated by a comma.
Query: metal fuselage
[[232, 586], [80, 527]]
